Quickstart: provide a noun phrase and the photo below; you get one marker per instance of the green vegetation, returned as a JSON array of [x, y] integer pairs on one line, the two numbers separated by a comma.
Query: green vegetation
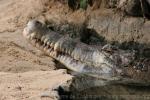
[[75, 4], [83, 4]]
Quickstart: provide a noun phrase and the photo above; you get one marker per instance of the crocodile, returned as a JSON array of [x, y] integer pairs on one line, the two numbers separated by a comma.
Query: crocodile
[[108, 64]]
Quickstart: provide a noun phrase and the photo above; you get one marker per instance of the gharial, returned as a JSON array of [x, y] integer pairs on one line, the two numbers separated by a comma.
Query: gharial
[[112, 67]]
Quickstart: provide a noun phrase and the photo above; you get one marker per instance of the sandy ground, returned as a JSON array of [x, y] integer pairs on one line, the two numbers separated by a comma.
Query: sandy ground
[[37, 85], [25, 72]]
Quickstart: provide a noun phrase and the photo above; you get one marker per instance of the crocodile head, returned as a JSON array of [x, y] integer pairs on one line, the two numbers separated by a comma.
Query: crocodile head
[[77, 56], [34, 30]]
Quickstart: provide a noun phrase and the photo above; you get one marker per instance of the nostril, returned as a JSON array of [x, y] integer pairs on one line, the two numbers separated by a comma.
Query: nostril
[[25, 33], [34, 25], [37, 22]]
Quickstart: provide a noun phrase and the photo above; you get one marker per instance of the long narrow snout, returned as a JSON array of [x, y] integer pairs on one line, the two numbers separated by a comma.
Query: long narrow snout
[[33, 27]]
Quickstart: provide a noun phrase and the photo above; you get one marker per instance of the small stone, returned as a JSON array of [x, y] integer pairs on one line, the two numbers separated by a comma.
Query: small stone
[[19, 88]]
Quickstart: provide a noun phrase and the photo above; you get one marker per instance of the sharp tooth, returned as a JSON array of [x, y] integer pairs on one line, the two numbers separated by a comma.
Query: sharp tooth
[[66, 51], [75, 54], [49, 49], [51, 44], [48, 42], [43, 38], [82, 58], [33, 41], [64, 58], [69, 51], [72, 54], [56, 46], [78, 54], [62, 49], [28, 37], [54, 54], [31, 38], [32, 35], [58, 57], [45, 48], [37, 45], [61, 58], [41, 47], [50, 53], [68, 61], [45, 41]]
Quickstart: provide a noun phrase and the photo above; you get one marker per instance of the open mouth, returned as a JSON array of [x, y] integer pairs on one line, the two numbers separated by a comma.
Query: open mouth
[[81, 58], [66, 59], [75, 56]]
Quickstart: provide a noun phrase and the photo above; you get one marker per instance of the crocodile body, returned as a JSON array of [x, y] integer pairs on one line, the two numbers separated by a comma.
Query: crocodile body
[[83, 58]]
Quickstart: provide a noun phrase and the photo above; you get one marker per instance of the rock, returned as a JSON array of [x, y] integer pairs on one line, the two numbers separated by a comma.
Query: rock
[[135, 7]]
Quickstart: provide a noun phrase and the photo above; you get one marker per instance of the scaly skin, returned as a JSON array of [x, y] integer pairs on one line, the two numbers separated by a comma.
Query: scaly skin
[[79, 57]]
